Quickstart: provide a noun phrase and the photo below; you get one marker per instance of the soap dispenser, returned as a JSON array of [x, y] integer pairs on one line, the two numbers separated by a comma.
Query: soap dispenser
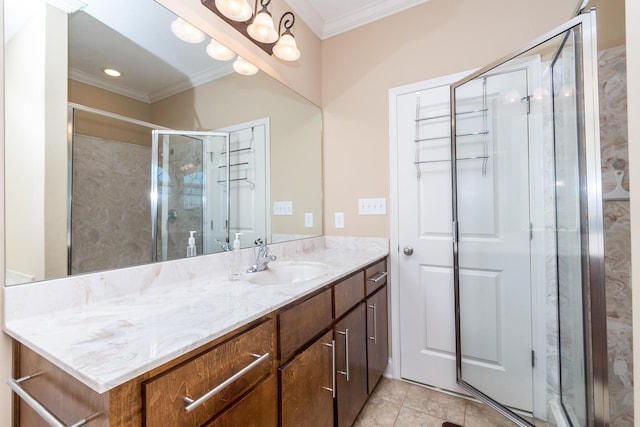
[[236, 263], [191, 245]]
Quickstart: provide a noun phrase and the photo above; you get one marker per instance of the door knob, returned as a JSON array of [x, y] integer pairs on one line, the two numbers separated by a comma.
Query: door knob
[[408, 250]]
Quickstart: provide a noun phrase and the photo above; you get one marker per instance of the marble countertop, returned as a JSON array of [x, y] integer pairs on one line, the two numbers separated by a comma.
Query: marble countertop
[[107, 343]]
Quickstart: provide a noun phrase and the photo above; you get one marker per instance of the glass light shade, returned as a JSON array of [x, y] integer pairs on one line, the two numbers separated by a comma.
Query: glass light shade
[[262, 28], [186, 32], [242, 66], [218, 51], [286, 48], [236, 10]]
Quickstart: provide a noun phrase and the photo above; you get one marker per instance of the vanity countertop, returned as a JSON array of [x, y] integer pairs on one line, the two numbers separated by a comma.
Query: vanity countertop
[[109, 342]]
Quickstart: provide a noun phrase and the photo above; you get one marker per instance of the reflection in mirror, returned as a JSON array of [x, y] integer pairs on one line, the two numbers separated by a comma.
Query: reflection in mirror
[[520, 190], [71, 130]]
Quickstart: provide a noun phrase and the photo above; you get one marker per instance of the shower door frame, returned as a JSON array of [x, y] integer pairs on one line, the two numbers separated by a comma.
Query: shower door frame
[[155, 149], [594, 306]]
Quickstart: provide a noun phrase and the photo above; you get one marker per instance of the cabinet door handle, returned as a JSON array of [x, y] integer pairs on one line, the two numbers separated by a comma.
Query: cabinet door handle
[[378, 277], [346, 352], [191, 404], [40, 409], [374, 338], [333, 368]]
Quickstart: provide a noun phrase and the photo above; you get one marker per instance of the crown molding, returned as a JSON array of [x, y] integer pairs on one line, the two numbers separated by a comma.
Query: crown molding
[[89, 79], [195, 80], [365, 15], [69, 6], [373, 11], [198, 79]]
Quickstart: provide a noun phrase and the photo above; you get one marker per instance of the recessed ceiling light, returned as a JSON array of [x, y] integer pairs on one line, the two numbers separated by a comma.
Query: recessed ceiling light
[[111, 72]]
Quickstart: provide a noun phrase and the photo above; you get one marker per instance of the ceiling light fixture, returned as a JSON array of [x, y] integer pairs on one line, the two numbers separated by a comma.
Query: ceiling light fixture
[[111, 72], [218, 51], [242, 66], [259, 27], [186, 32]]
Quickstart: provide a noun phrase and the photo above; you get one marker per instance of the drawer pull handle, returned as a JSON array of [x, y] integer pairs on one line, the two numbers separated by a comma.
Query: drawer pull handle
[[374, 338], [39, 408], [346, 353], [333, 368], [378, 277], [191, 404]]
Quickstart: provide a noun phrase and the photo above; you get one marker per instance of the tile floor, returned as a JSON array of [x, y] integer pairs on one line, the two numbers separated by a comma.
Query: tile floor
[[396, 403]]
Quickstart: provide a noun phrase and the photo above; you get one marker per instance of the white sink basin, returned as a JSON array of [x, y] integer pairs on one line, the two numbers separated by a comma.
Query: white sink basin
[[284, 273]]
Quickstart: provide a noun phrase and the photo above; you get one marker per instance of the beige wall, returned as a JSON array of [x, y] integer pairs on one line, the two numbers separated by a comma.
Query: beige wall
[[359, 67], [102, 127], [633, 106]]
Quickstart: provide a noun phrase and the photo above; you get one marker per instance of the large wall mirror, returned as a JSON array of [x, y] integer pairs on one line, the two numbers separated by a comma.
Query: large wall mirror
[[226, 152]]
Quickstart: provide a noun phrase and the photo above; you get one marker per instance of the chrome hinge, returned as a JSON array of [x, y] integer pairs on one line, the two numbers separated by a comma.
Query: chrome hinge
[[533, 359], [454, 231], [527, 99], [530, 231]]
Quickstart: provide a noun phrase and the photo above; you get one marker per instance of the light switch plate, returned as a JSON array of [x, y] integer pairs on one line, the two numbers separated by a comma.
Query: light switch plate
[[308, 219], [372, 206], [339, 219], [283, 208]]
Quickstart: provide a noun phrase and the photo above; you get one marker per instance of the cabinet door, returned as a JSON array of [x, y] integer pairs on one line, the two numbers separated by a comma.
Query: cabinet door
[[351, 365], [306, 386], [377, 336], [257, 409]]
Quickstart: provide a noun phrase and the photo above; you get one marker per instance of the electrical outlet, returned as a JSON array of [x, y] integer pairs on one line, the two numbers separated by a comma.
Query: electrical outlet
[[339, 219], [308, 219], [372, 206], [283, 208]]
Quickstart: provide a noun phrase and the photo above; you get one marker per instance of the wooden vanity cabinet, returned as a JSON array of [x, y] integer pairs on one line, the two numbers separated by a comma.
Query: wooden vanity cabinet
[[156, 398], [299, 355]]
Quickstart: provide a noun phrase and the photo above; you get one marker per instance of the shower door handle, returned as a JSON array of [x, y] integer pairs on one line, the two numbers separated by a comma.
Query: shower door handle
[[408, 250]]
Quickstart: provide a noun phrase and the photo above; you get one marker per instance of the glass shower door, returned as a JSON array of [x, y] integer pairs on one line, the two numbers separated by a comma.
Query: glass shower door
[[190, 190], [528, 258]]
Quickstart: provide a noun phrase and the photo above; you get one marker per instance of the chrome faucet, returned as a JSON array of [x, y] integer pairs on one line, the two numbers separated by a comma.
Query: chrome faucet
[[223, 245], [262, 259]]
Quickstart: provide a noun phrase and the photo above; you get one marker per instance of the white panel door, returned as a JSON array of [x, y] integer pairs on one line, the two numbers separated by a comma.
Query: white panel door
[[495, 229], [249, 181], [427, 323]]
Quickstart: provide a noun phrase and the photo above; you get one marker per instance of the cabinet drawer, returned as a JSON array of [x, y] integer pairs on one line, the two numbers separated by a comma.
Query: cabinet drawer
[[257, 409], [348, 293], [376, 276], [302, 322], [62, 395], [231, 368]]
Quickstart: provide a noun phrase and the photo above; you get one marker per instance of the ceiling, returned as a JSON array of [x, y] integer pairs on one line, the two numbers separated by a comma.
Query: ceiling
[[327, 18], [154, 63]]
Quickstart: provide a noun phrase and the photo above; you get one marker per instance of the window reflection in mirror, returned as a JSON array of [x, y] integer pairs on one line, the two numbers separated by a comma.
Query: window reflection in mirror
[[164, 83]]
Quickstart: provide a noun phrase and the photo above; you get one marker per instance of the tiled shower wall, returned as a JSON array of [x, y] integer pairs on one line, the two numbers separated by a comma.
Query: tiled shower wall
[[110, 214], [613, 138]]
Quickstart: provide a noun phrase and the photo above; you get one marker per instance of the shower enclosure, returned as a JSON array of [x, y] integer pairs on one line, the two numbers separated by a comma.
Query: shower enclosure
[[528, 248], [136, 190]]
